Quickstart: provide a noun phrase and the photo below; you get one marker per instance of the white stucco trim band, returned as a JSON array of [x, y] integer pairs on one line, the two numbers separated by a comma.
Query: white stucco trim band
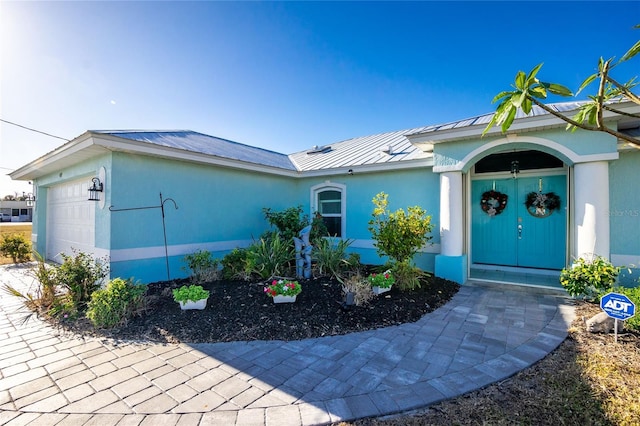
[[123, 255], [560, 149], [369, 244]]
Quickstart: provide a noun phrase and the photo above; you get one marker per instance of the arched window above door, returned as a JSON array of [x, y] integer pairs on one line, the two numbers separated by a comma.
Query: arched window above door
[[328, 200]]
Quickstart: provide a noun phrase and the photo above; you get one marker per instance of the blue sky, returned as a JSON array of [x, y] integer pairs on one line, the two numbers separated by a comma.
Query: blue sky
[[282, 76]]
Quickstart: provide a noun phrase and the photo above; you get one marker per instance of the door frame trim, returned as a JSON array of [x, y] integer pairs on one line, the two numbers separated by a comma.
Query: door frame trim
[[566, 170]]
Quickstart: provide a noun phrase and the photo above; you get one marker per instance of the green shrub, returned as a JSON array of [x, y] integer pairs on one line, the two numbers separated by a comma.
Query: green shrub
[[202, 267], [330, 255], [117, 303], [270, 258], [400, 235], [291, 221], [45, 298], [46, 275], [633, 294], [16, 247], [81, 275], [235, 265], [588, 278], [407, 276]]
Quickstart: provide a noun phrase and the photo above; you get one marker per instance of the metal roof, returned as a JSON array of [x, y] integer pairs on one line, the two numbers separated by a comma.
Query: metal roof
[[382, 148], [484, 119], [188, 140], [370, 152]]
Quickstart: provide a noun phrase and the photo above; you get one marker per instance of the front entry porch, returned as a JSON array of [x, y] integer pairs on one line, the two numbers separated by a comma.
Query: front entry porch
[[544, 279]]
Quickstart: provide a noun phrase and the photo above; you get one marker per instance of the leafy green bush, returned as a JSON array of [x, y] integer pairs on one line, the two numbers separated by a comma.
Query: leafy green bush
[[330, 255], [117, 303], [202, 266], [270, 258], [235, 265], [291, 221], [16, 247], [81, 275], [400, 235], [589, 277]]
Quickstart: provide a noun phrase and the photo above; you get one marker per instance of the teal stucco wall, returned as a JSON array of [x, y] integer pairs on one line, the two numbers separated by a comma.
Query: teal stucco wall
[[624, 214], [218, 209], [408, 187]]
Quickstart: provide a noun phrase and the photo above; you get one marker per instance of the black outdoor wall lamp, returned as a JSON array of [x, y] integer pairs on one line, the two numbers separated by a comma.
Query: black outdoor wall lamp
[[95, 188], [29, 198]]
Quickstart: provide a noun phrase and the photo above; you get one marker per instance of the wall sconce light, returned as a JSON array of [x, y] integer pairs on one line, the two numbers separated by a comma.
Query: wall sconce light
[[95, 188], [515, 168], [29, 198]]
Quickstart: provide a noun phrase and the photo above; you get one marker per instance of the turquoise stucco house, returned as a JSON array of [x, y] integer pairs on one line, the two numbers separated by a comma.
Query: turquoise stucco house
[[509, 208]]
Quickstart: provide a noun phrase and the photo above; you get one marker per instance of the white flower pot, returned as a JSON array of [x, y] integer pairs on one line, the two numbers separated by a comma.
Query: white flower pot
[[379, 290], [284, 299], [189, 304]]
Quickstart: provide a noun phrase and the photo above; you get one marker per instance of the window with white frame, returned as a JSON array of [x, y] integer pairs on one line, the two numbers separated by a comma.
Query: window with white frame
[[328, 201]]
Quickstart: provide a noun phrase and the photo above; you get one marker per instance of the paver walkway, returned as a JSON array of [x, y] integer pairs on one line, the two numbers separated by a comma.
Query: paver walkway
[[481, 336]]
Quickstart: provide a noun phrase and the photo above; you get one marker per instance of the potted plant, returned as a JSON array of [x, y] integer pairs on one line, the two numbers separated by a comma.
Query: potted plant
[[381, 283], [283, 291], [191, 297]]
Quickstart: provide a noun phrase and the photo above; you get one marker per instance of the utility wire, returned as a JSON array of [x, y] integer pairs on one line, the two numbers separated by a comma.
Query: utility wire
[[34, 130]]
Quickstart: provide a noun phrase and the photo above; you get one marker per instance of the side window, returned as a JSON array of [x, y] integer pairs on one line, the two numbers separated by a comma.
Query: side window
[[328, 201]]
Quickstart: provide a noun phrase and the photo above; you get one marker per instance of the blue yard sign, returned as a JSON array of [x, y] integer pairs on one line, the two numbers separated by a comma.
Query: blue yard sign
[[617, 306]]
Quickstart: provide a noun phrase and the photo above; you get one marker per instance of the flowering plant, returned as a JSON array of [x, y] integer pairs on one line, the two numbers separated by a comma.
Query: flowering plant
[[383, 280], [283, 288]]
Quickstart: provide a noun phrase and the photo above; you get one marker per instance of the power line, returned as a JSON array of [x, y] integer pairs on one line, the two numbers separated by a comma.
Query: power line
[[34, 130]]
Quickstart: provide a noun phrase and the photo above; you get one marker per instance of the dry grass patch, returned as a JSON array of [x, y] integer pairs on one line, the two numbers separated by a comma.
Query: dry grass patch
[[589, 379]]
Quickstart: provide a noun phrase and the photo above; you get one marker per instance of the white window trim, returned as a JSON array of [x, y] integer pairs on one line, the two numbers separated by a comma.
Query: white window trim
[[331, 186]]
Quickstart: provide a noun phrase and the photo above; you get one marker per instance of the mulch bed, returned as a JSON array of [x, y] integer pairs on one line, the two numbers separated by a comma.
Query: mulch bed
[[241, 311]]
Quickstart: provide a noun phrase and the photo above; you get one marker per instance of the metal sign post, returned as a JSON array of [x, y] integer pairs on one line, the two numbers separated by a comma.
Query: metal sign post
[[164, 229], [619, 307]]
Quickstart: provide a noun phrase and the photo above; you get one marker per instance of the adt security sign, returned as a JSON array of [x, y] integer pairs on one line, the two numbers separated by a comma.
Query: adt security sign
[[617, 306]]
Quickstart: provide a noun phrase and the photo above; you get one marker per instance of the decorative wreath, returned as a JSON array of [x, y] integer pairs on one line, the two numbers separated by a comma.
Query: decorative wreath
[[493, 202], [542, 205]]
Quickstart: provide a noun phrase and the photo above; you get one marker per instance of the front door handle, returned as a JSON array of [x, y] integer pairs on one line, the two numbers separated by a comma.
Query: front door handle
[[519, 232]]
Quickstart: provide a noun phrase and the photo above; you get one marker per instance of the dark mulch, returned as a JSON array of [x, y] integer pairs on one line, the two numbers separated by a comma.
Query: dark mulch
[[242, 311]]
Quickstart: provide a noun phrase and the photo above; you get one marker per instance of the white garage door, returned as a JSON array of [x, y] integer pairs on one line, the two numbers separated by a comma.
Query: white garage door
[[70, 219]]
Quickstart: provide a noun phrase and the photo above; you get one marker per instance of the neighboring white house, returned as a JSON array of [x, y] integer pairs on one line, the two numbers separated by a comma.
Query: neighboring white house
[[511, 208], [16, 211]]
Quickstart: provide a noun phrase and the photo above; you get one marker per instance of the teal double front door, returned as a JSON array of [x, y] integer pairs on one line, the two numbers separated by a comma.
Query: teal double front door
[[507, 231]]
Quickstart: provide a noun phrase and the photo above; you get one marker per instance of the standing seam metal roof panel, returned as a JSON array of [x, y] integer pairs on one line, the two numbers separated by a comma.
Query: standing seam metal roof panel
[[191, 141]]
